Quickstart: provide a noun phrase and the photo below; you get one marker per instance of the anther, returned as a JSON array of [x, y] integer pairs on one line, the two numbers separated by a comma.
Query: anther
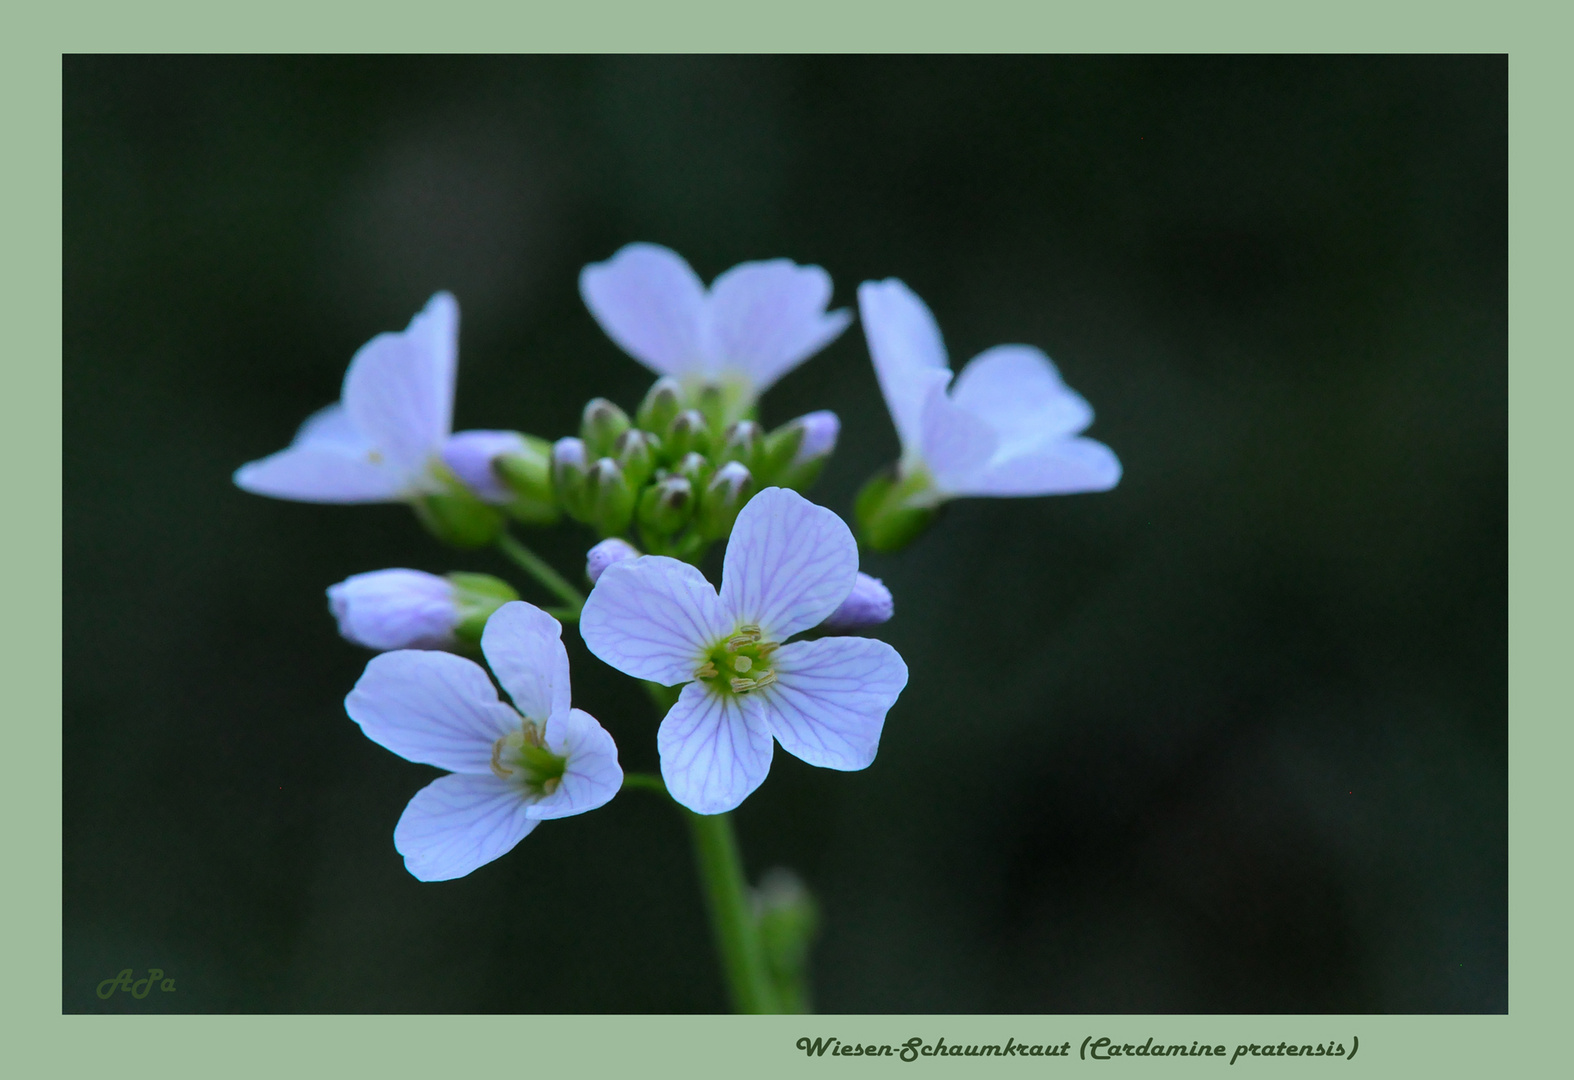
[[706, 672], [766, 648], [765, 679], [742, 686], [746, 635], [550, 785], [498, 768]]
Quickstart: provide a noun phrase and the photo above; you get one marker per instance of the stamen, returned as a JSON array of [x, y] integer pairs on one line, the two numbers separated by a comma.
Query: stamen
[[551, 785], [765, 679], [741, 686], [706, 672], [743, 664], [746, 635], [501, 771], [766, 648], [534, 735]]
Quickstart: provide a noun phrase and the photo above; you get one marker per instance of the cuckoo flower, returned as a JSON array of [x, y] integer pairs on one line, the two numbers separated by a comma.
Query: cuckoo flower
[[757, 321], [511, 766], [789, 564], [1008, 426]]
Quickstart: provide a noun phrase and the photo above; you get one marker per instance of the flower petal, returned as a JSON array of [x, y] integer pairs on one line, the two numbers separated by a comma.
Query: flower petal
[[653, 618], [431, 707], [652, 305], [524, 647], [399, 391], [591, 776], [1059, 467], [830, 698], [715, 749], [956, 444], [470, 455], [320, 474], [789, 564], [395, 609], [1016, 390], [458, 823], [769, 317], [906, 347]]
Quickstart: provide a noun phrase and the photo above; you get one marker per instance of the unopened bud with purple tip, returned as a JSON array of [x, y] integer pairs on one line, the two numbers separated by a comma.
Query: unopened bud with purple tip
[[604, 554], [569, 466], [411, 609], [721, 499], [507, 469], [797, 451], [869, 604]]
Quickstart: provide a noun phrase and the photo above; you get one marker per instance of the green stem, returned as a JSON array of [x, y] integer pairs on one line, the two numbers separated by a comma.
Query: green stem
[[539, 569], [732, 915], [644, 782]]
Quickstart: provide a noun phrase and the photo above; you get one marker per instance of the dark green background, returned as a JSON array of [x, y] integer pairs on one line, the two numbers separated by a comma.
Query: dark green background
[[1231, 737]]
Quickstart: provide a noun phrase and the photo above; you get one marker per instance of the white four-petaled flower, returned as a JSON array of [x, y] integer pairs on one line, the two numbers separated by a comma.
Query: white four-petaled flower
[[757, 321], [789, 564], [1008, 426], [385, 438], [511, 766]]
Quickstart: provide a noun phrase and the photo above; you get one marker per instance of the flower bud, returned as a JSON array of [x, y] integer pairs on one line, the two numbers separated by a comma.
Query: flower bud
[[743, 441], [601, 425], [723, 497], [797, 451], [456, 516], [395, 609], [636, 453], [788, 919], [688, 433], [663, 401], [886, 519], [869, 604], [476, 596], [697, 468], [604, 554], [569, 465], [506, 469], [666, 506], [609, 500]]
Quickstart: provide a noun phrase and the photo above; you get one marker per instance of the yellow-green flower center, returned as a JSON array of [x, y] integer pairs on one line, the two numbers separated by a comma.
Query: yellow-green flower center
[[524, 758], [739, 663]]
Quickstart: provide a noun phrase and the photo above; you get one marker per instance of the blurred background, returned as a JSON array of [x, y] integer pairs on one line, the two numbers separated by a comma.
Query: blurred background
[[1231, 737]]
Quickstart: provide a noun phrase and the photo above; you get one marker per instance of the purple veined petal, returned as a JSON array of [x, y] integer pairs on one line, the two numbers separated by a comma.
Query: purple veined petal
[[395, 609], [769, 317], [653, 618], [470, 455], [652, 305], [956, 444], [524, 647], [830, 698], [789, 564], [906, 347], [1016, 390], [1059, 467], [591, 775], [399, 390], [431, 707], [715, 749], [459, 823]]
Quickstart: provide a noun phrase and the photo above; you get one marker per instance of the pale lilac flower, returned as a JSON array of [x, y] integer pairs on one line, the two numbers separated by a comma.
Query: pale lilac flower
[[757, 321], [512, 766], [396, 609], [384, 439], [869, 604], [470, 455], [1008, 426], [789, 564], [604, 554]]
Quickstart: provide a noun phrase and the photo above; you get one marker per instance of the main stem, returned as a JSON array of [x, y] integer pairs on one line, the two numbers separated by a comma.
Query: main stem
[[732, 914], [542, 571]]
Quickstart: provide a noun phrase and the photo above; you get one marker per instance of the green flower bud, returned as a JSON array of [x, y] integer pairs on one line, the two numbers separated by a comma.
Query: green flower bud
[[662, 402], [697, 468], [743, 441], [476, 596], [456, 516], [687, 434], [788, 921], [723, 497], [887, 520], [570, 464], [608, 497], [665, 507], [528, 476], [796, 452], [603, 422], [636, 452]]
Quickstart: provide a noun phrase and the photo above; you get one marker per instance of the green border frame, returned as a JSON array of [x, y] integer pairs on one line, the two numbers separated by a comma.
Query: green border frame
[[44, 1042]]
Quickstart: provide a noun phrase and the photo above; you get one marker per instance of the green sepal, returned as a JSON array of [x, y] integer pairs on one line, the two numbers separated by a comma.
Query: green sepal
[[887, 521], [476, 597], [609, 499], [456, 516], [663, 401], [688, 433], [600, 427], [529, 477]]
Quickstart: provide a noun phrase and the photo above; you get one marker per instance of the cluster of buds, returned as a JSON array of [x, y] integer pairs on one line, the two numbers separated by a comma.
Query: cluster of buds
[[678, 472]]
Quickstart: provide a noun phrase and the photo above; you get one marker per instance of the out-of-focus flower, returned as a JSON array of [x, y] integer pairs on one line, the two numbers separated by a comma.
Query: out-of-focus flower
[[789, 564], [869, 604], [1008, 426], [511, 766], [604, 554], [757, 321]]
